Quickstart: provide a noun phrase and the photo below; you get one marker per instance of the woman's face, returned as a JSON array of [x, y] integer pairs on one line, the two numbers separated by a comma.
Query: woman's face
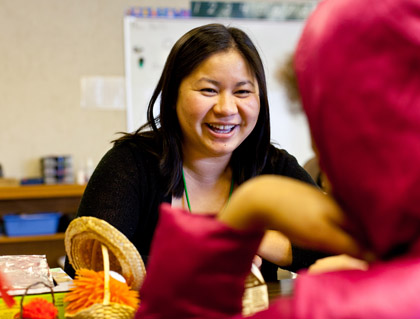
[[218, 105]]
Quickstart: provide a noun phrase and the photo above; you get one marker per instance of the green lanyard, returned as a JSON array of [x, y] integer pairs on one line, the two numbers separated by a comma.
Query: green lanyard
[[186, 192]]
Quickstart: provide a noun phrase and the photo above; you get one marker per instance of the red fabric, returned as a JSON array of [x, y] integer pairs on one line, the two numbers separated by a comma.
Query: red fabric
[[197, 267], [387, 290], [358, 68], [4, 287], [197, 270]]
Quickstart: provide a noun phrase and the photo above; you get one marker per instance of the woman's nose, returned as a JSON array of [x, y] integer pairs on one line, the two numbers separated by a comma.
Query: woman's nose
[[226, 105]]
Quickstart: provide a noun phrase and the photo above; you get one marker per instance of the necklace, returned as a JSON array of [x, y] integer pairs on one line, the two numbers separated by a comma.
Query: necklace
[[186, 192]]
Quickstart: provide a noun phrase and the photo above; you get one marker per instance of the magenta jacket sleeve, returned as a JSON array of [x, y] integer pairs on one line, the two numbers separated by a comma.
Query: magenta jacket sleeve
[[388, 290], [197, 267]]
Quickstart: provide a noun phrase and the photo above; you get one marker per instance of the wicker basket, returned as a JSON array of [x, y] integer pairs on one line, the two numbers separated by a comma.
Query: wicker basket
[[107, 309], [20, 316], [83, 239], [94, 244]]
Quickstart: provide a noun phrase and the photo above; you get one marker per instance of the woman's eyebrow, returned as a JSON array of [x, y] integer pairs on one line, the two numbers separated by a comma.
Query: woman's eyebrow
[[245, 82], [217, 83], [204, 79]]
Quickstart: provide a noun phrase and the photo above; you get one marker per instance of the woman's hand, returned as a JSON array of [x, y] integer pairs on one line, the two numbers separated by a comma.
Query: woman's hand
[[257, 261], [338, 262], [276, 248]]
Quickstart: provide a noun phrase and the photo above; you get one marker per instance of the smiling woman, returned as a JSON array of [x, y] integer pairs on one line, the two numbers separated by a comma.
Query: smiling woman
[[212, 134], [217, 107]]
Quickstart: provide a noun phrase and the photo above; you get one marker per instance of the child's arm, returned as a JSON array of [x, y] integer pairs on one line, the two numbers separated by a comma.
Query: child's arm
[[301, 212]]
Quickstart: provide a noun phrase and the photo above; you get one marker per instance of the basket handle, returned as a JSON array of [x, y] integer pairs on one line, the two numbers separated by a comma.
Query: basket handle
[[26, 292], [107, 293]]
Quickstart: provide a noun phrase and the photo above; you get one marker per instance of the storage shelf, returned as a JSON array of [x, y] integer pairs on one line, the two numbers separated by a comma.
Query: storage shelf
[[31, 199], [40, 191], [19, 239], [40, 198]]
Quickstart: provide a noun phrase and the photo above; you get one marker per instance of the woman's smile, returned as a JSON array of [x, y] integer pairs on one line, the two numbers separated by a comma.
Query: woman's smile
[[221, 128]]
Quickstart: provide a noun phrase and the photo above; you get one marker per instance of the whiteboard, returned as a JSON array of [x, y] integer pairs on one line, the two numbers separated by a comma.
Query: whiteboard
[[149, 40]]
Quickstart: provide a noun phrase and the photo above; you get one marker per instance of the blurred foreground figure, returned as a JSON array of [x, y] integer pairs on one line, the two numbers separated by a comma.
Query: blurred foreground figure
[[358, 67]]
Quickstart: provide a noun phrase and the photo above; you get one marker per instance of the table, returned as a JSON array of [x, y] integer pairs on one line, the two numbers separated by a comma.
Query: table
[[279, 288]]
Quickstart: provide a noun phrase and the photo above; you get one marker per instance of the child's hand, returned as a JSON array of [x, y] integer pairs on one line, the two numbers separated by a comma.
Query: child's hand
[[304, 214]]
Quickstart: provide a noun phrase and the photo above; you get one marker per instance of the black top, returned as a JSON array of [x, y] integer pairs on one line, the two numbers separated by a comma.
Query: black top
[[126, 190]]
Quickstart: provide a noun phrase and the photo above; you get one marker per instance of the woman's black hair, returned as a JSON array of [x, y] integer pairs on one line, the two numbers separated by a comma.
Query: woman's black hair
[[186, 55]]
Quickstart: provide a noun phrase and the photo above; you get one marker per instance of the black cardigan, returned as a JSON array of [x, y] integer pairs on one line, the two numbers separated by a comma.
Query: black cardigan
[[126, 190]]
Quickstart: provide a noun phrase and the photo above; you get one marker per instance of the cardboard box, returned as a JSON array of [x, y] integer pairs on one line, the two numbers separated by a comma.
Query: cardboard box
[[255, 298], [63, 283]]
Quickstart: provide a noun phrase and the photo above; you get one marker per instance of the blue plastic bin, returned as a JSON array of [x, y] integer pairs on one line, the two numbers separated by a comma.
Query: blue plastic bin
[[31, 224]]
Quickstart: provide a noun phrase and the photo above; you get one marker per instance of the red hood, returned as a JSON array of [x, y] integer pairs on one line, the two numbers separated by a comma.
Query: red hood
[[358, 69]]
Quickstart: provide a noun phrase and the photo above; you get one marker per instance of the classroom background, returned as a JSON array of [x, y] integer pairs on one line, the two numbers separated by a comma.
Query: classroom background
[[51, 52]]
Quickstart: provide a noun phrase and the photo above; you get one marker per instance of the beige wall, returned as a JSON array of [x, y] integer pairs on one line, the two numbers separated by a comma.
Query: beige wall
[[47, 46]]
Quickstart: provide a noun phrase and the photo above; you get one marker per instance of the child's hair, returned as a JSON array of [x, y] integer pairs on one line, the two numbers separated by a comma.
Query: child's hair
[[286, 75]]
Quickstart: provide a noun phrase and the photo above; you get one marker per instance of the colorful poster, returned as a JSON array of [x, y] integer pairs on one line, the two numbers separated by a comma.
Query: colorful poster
[[280, 11]]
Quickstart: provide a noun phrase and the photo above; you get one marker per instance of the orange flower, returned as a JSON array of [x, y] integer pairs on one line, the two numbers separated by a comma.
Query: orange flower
[[89, 290]]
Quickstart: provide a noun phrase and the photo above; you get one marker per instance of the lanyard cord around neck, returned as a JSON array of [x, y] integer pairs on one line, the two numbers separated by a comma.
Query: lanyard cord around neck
[[186, 192]]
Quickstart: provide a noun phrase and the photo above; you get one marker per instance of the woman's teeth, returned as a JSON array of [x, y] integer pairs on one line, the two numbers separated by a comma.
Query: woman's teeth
[[221, 128]]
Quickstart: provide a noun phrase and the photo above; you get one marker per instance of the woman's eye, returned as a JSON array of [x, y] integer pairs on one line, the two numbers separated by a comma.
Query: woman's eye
[[243, 92], [208, 90]]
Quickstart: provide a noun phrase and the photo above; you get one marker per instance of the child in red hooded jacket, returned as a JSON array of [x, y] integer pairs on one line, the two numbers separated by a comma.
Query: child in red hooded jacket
[[358, 68]]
